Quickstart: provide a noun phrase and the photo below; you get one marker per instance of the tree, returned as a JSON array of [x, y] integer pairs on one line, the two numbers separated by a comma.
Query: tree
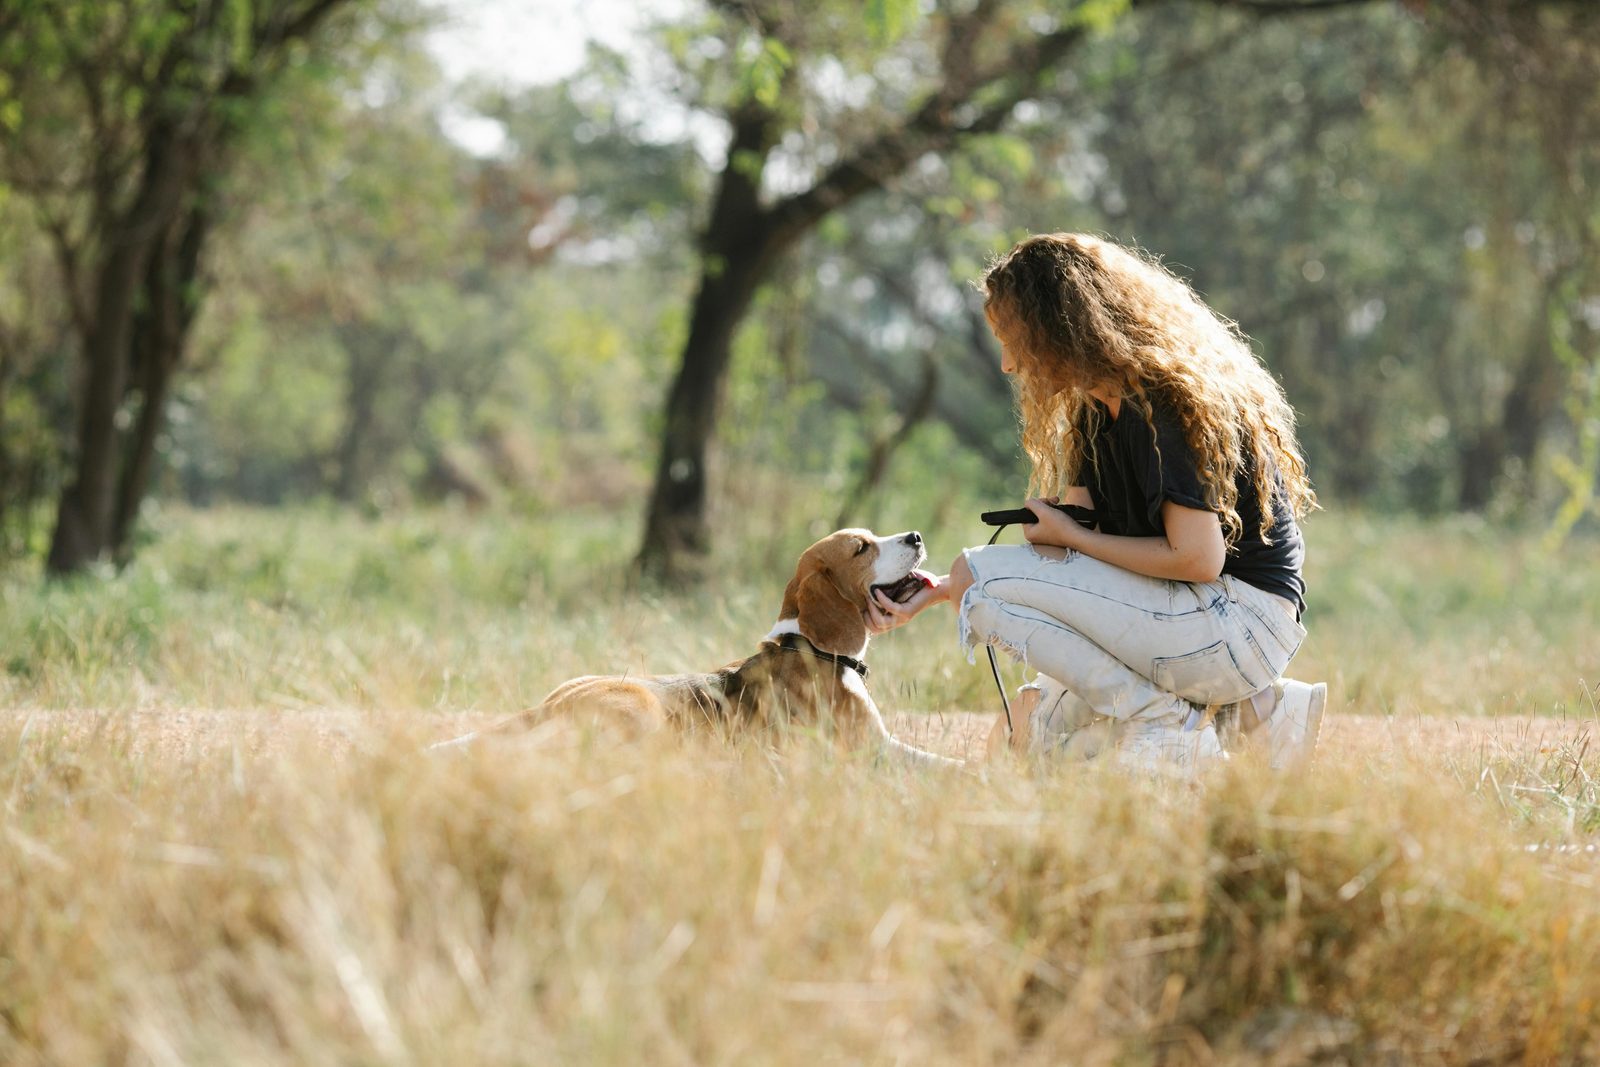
[[35, 353], [384, 318], [1538, 258], [119, 122], [788, 102], [803, 144], [980, 62]]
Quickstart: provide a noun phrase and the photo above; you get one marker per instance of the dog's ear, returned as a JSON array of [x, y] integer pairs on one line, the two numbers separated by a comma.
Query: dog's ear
[[824, 615]]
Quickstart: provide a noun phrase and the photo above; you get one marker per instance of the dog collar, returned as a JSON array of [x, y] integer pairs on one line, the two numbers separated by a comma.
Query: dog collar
[[797, 643]]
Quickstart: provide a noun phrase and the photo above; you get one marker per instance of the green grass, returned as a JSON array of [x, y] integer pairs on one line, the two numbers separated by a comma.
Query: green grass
[[449, 611]]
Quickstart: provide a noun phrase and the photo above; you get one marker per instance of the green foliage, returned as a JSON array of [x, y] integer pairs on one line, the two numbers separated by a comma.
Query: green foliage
[[1007, 155], [35, 376], [764, 73], [888, 20], [1099, 15], [1402, 322], [1578, 474], [396, 319]]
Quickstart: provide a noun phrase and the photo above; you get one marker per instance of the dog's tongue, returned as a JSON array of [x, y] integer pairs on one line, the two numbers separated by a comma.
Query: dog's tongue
[[904, 589]]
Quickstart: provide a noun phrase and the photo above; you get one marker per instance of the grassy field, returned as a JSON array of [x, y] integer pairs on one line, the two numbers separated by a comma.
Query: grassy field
[[444, 611], [222, 843]]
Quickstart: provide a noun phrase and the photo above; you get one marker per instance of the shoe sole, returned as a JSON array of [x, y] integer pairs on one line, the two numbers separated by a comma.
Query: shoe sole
[[1314, 711]]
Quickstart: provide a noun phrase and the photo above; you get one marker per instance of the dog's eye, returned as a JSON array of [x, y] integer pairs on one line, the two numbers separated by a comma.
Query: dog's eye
[[862, 547]]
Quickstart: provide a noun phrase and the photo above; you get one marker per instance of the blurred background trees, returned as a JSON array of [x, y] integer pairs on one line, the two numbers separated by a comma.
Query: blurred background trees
[[246, 252], [121, 122]]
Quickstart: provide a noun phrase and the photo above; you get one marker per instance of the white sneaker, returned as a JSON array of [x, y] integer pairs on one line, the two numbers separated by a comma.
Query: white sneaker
[[1167, 750], [1295, 722]]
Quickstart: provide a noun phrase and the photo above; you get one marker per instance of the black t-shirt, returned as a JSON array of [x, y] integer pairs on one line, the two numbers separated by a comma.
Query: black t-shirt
[[1133, 466]]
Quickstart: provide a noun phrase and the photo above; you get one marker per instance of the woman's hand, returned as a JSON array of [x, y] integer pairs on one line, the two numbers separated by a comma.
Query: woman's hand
[[884, 614], [1053, 528]]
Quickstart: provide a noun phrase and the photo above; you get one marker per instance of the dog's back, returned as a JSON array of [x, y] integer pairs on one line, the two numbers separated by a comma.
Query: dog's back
[[773, 689], [640, 704]]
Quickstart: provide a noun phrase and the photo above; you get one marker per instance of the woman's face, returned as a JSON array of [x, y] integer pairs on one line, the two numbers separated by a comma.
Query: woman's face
[[1011, 348], [1006, 337]]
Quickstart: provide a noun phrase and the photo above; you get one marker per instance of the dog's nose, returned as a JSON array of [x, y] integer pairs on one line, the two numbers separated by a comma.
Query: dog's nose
[[913, 538]]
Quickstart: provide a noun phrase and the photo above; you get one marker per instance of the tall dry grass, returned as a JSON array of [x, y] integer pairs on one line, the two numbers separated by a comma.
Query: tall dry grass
[[222, 842], [559, 900]]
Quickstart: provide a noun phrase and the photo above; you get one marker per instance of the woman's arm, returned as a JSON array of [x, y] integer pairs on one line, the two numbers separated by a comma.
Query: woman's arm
[[1192, 551], [1077, 495]]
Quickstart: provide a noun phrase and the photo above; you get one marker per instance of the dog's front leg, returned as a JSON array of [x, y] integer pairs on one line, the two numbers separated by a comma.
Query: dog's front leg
[[917, 757], [891, 745]]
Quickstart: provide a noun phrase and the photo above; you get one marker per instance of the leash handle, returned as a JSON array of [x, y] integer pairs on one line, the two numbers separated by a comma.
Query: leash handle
[[1083, 516]]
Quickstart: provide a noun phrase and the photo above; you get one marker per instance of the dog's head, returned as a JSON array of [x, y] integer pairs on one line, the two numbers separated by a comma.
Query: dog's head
[[831, 587]]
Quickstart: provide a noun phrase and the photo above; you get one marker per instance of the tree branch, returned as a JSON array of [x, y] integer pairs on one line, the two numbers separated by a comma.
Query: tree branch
[[937, 123], [67, 258], [847, 394], [86, 69], [300, 26], [934, 125], [883, 446]]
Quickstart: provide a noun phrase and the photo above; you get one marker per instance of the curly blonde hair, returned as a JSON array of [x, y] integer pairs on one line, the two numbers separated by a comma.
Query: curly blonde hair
[[1077, 311]]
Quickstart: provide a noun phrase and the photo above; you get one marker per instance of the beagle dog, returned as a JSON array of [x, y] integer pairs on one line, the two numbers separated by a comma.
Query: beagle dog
[[807, 673]]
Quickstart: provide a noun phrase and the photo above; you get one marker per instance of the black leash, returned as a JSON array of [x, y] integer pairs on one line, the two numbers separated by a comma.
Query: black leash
[[994, 664], [1000, 520]]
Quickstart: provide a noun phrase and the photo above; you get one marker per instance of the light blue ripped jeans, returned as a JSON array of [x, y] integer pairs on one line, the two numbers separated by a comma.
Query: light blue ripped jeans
[[1120, 650]]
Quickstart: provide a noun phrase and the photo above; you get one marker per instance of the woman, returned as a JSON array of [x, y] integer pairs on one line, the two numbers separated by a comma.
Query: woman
[[1139, 401]]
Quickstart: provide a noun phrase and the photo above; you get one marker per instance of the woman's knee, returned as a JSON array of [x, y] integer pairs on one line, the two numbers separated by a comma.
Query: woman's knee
[[960, 578]]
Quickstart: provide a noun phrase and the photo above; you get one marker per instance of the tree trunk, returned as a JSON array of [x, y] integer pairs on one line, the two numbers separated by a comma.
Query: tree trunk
[[183, 115], [171, 302], [1536, 391], [1526, 411], [365, 351], [737, 250], [83, 520], [675, 529], [1478, 464], [85, 517], [7, 482], [743, 239]]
